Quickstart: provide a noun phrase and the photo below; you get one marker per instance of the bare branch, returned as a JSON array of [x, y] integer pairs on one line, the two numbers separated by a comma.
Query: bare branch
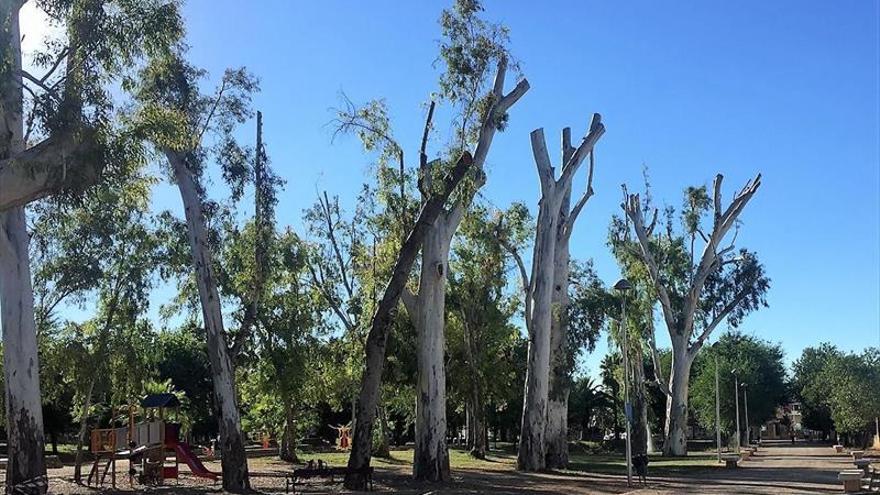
[[424, 173], [542, 159], [588, 193], [659, 377], [331, 234], [719, 317], [596, 130]]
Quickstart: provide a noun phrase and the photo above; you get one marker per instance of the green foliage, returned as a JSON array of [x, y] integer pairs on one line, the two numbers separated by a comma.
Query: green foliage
[[758, 364], [838, 386]]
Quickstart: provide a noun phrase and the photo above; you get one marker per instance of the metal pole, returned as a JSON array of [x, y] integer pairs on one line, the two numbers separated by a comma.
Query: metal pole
[[717, 410], [746, 412], [627, 408], [736, 394]]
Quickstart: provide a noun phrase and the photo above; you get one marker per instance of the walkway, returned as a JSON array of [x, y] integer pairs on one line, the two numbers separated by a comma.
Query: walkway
[[778, 468]]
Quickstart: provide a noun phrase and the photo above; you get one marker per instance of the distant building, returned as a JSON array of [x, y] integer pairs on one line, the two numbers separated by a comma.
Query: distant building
[[786, 421]]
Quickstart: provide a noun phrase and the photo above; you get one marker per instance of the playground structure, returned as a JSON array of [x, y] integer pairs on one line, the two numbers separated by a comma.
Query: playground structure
[[152, 447]]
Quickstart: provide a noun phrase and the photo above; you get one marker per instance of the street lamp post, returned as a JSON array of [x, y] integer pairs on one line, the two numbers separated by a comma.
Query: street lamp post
[[717, 410], [745, 388], [736, 403], [623, 286]]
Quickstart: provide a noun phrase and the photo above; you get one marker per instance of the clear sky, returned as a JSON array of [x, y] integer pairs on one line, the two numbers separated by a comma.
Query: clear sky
[[690, 89]]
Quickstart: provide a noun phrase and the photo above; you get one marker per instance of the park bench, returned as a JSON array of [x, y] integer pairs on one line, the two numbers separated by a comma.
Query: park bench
[[334, 474], [872, 480], [852, 480], [864, 465], [730, 460], [857, 454]]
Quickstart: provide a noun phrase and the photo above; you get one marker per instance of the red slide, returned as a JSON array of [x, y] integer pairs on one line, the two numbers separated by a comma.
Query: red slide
[[185, 453]]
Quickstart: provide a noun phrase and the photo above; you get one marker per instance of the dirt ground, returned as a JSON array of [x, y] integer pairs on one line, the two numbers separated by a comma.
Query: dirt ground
[[777, 469]]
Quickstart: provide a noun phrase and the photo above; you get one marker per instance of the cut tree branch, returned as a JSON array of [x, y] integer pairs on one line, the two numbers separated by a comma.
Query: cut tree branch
[[57, 162]]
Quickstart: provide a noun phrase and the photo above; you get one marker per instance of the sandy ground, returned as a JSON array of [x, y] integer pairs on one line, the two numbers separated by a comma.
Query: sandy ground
[[778, 469]]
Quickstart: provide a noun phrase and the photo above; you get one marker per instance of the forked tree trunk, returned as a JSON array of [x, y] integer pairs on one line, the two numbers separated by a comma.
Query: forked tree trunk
[[234, 462], [377, 338], [532, 447], [431, 457], [26, 468], [675, 443]]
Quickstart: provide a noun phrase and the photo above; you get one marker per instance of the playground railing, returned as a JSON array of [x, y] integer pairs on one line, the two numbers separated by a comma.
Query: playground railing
[[117, 439], [109, 440]]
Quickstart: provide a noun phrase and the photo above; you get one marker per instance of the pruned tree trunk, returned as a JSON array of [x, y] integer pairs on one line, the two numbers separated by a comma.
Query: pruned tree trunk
[[377, 338], [428, 312], [532, 447], [26, 469], [234, 461], [675, 443], [560, 370]]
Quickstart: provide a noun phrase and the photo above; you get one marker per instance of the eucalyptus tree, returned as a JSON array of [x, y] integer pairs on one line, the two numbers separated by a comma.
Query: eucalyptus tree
[[282, 363], [552, 223], [695, 295], [176, 117], [71, 116], [102, 249], [479, 319], [758, 365], [469, 50]]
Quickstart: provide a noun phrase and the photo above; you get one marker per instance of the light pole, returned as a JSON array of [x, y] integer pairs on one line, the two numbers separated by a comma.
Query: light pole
[[717, 410], [745, 387], [736, 403], [622, 286]]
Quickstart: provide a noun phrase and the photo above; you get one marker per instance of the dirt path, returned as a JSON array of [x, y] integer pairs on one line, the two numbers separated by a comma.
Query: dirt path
[[778, 468]]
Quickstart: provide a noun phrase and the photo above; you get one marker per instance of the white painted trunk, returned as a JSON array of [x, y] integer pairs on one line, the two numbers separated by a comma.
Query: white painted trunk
[[234, 462], [26, 468], [431, 458], [557, 405], [675, 443], [532, 448]]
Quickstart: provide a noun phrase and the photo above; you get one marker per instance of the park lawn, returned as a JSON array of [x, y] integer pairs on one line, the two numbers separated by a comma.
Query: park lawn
[[585, 458]]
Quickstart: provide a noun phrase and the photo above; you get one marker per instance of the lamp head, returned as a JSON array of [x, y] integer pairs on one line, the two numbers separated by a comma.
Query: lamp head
[[623, 285]]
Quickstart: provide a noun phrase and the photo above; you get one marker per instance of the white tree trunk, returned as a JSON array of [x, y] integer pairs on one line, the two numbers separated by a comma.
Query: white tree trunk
[[531, 455], [431, 458], [557, 411], [675, 443], [234, 462], [532, 446], [24, 412]]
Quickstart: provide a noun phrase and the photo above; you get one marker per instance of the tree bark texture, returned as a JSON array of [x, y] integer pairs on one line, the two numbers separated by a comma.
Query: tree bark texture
[[234, 461], [26, 469]]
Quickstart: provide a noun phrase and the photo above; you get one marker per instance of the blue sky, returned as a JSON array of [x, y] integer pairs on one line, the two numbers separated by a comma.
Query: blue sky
[[785, 88]]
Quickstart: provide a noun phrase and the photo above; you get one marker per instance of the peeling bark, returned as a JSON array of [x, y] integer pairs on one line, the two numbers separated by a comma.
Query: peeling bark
[[234, 461], [21, 365]]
